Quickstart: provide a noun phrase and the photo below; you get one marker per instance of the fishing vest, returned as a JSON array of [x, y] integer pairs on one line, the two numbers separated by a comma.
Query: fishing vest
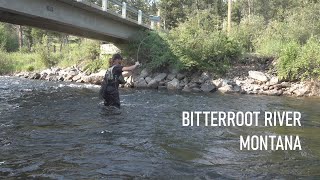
[[113, 78]]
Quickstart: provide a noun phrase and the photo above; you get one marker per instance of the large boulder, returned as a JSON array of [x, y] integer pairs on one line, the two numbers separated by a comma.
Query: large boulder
[[78, 77], [141, 83], [208, 86], [230, 89], [273, 92], [180, 76], [273, 81], [260, 76], [148, 79], [144, 73], [96, 80], [173, 85], [218, 82], [160, 77], [186, 89], [205, 76], [153, 84], [35, 76], [171, 76]]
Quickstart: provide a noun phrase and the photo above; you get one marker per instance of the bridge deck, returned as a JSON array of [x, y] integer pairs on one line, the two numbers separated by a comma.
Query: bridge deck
[[70, 17]]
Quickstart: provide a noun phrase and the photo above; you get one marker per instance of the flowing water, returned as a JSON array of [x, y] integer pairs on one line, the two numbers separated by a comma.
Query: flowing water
[[54, 130]]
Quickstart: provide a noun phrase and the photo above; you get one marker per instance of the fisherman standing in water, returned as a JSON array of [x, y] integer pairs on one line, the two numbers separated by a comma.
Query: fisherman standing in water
[[113, 77]]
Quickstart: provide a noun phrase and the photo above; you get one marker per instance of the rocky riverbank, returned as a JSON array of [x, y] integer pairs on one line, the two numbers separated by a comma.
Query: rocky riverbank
[[250, 82]]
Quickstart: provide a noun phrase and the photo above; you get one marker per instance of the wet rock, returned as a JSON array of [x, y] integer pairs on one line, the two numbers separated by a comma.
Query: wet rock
[[170, 77], [160, 77], [273, 92], [285, 84], [260, 76], [141, 83], [35, 76], [144, 73], [193, 85], [204, 77], [148, 79], [236, 88], [218, 82], [196, 90], [96, 80], [273, 81], [302, 91], [162, 87], [196, 78], [80, 81], [52, 78], [61, 78], [49, 72], [162, 83], [186, 89], [68, 78], [173, 85], [180, 76], [265, 88], [77, 77], [153, 84], [229, 89], [314, 88], [185, 80], [226, 89], [208, 86]]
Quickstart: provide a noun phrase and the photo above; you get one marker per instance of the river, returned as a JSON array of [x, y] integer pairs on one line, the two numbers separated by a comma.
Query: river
[[58, 130]]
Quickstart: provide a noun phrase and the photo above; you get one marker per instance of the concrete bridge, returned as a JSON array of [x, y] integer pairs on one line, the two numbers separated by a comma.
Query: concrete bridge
[[114, 21]]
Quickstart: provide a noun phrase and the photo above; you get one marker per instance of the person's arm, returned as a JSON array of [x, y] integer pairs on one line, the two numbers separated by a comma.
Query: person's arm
[[131, 68]]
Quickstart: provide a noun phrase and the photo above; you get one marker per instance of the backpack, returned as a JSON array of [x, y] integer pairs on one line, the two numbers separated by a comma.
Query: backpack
[[112, 78], [109, 77]]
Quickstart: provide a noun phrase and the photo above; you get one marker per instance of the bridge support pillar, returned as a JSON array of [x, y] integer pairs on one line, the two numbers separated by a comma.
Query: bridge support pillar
[[104, 5], [124, 10]]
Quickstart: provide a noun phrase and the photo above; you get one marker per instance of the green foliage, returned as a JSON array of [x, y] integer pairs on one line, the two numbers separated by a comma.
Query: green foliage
[[8, 39], [300, 62], [76, 53], [247, 31], [200, 43], [93, 66], [286, 65], [151, 49], [309, 59], [44, 54], [18, 61], [174, 12], [30, 68], [6, 64]]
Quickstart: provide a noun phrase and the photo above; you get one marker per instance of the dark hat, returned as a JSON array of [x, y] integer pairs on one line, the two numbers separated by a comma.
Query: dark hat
[[116, 56]]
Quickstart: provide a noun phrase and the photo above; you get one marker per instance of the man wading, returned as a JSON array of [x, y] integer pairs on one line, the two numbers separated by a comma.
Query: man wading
[[113, 77]]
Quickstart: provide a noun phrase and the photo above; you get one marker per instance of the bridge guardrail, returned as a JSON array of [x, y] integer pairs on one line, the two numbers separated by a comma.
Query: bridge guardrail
[[121, 9]]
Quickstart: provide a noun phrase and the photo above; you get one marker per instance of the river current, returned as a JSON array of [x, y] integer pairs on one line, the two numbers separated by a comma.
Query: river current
[[58, 130]]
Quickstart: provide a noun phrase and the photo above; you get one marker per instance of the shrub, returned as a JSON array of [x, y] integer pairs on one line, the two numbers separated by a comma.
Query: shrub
[[8, 38], [286, 65], [151, 48], [247, 31], [6, 63], [308, 61], [200, 43], [92, 67]]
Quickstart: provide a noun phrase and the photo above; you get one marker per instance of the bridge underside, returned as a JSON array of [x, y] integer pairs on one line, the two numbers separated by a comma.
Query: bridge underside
[[69, 17]]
